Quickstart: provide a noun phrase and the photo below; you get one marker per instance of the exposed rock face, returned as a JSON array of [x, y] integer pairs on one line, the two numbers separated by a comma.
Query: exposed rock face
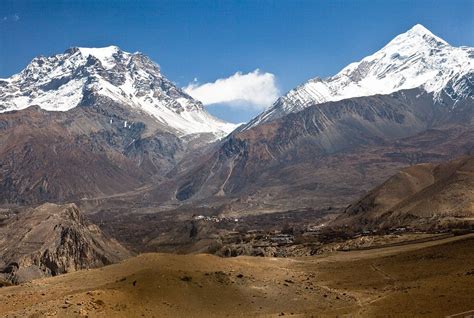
[[85, 152], [50, 240], [422, 196]]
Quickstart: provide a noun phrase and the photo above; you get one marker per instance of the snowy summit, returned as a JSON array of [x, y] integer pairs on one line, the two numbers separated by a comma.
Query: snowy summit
[[417, 58]]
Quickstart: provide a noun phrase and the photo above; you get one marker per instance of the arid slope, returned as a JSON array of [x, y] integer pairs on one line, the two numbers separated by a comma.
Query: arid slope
[[426, 279], [420, 196]]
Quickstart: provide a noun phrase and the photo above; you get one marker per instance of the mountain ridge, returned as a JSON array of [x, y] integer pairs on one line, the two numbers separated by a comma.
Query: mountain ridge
[[298, 154]]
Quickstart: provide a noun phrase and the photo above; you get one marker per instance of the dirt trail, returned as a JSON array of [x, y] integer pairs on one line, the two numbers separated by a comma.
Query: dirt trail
[[386, 251], [134, 192]]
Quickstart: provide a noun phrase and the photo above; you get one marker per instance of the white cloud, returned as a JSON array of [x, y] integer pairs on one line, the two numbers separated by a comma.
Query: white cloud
[[252, 90], [13, 18]]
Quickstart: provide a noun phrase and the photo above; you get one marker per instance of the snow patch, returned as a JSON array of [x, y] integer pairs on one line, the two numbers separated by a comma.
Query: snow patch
[[104, 54]]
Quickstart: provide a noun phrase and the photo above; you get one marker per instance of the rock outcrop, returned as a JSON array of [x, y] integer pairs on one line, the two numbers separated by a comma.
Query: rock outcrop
[[52, 239]]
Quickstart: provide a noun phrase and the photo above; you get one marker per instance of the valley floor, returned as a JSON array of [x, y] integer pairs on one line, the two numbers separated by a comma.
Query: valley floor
[[432, 278]]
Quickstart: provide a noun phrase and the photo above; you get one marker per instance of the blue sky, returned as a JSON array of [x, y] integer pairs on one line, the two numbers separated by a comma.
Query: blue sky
[[210, 40]]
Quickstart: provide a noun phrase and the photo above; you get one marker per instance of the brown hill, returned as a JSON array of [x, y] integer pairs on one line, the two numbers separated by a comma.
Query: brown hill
[[432, 279], [421, 196]]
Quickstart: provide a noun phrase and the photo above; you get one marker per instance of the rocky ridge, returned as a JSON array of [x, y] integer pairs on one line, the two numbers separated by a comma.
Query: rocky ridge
[[52, 239]]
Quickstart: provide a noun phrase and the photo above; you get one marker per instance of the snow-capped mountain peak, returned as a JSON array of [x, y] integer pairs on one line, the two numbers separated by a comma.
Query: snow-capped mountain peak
[[416, 58], [63, 81], [105, 54], [418, 32]]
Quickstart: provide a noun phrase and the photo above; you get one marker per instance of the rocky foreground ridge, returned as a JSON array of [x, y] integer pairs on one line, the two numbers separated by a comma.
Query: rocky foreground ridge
[[49, 240]]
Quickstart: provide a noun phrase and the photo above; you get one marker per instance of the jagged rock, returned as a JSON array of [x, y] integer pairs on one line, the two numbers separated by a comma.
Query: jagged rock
[[53, 239]]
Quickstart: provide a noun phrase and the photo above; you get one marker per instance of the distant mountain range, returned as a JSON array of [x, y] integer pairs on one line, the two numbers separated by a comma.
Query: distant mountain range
[[103, 130], [328, 141], [102, 125]]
